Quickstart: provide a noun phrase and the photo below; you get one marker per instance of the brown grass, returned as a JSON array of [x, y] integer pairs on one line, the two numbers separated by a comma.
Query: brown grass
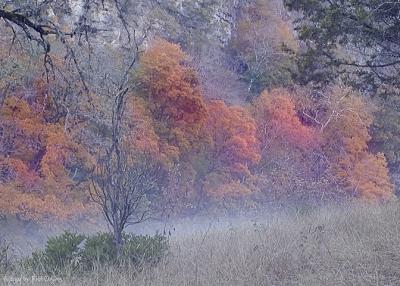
[[353, 245]]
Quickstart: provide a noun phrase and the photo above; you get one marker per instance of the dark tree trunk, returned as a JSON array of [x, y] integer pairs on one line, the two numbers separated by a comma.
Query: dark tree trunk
[[118, 241]]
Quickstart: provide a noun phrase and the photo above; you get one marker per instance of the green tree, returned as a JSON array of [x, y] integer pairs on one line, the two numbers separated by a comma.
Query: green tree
[[356, 39]]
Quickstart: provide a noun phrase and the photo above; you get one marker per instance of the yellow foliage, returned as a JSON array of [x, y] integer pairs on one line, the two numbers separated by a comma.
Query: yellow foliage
[[345, 142]]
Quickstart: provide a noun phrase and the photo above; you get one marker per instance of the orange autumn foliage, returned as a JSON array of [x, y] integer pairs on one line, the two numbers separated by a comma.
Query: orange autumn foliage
[[278, 124], [288, 168], [345, 142], [36, 158], [234, 146], [218, 187], [370, 178], [141, 135], [171, 90]]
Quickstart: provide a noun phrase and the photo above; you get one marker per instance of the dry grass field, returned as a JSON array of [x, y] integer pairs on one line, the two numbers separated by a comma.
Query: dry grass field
[[352, 245]]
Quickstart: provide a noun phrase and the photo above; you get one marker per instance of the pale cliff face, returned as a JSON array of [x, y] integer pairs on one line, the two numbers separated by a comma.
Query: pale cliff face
[[213, 20]]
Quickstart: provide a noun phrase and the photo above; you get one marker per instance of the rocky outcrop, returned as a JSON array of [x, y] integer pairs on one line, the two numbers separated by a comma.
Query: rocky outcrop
[[186, 21]]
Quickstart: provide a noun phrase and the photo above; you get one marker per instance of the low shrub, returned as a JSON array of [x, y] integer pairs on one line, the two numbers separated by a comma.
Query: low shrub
[[71, 252], [64, 249], [61, 253], [99, 250]]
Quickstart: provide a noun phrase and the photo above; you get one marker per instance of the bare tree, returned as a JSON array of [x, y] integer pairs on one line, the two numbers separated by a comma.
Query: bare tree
[[123, 179], [121, 186]]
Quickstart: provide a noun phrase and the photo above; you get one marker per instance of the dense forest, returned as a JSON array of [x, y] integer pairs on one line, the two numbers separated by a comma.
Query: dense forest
[[145, 107], [263, 134]]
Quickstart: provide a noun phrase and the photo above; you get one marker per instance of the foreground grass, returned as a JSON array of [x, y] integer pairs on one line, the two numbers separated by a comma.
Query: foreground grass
[[353, 245]]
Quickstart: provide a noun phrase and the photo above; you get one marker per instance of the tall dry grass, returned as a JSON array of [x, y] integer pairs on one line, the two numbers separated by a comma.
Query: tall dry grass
[[352, 245]]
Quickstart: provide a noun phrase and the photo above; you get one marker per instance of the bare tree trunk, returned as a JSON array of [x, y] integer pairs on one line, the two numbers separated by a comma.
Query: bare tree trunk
[[118, 242]]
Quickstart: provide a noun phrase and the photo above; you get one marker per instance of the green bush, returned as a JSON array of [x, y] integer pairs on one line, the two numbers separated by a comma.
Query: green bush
[[73, 252], [99, 249], [137, 250], [61, 253], [62, 250]]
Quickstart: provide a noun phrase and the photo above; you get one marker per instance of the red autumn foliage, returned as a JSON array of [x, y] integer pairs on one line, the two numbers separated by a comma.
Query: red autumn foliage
[[234, 146], [278, 123]]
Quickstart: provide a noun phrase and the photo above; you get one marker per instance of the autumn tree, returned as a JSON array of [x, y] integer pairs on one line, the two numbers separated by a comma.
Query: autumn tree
[[233, 149], [139, 128], [354, 41], [261, 32], [278, 122], [172, 94], [39, 163], [290, 165], [233, 134], [344, 119]]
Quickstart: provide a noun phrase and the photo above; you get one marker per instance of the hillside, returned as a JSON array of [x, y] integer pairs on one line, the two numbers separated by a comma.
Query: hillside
[[121, 115]]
